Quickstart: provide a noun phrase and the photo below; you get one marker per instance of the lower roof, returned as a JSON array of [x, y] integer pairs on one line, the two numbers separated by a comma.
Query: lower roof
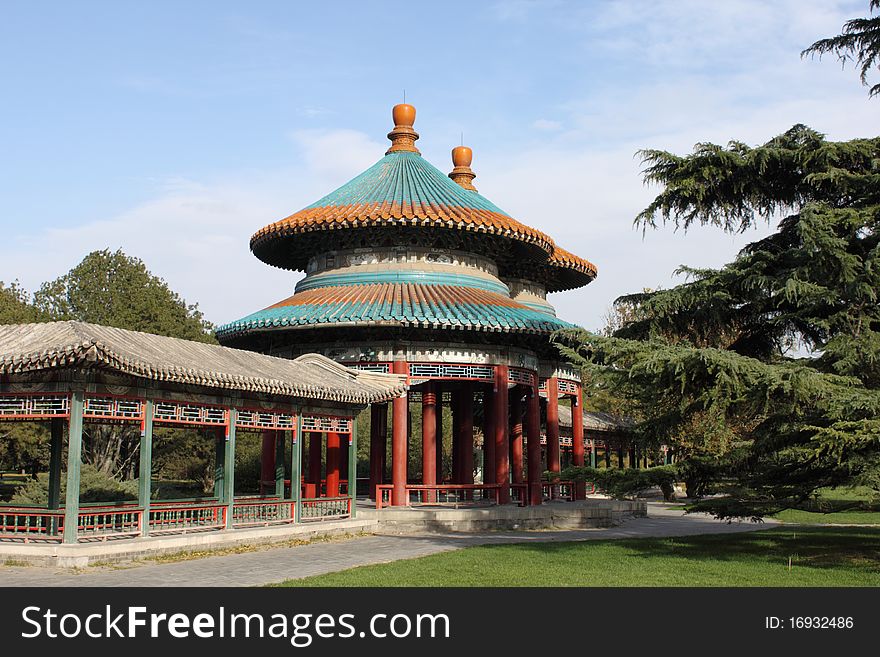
[[399, 304], [59, 345]]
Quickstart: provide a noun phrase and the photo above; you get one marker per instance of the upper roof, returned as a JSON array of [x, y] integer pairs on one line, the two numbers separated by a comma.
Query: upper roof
[[399, 304], [57, 345], [401, 189], [565, 271]]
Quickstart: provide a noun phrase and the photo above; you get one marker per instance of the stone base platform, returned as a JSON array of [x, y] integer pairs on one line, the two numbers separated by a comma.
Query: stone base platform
[[592, 513], [588, 514], [81, 555]]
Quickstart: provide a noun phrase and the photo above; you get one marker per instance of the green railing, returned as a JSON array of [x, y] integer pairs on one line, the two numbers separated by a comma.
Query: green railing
[[258, 512], [29, 524], [325, 508], [181, 517]]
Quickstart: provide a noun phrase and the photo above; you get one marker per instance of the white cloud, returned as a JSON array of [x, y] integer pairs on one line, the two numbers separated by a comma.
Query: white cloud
[[546, 125], [195, 234]]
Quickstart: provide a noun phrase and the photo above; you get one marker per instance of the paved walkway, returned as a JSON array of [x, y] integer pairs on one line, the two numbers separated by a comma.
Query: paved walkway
[[267, 566]]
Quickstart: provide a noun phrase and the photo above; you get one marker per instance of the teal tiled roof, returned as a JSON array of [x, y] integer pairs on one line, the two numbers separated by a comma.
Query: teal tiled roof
[[427, 306]]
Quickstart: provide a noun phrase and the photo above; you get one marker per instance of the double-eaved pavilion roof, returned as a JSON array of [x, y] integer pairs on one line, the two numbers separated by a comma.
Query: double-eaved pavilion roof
[[57, 345], [401, 189]]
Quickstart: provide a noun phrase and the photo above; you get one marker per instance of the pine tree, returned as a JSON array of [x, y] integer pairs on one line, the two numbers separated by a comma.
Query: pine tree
[[716, 353], [859, 42]]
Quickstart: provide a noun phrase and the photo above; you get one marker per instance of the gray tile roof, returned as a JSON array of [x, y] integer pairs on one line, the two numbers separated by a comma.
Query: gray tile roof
[[55, 345], [597, 421]]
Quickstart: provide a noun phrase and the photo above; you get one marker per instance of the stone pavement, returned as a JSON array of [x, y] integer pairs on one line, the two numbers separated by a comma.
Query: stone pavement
[[267, 566]]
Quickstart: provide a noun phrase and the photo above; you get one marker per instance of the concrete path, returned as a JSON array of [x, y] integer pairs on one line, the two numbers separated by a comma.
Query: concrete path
[[271, 565]]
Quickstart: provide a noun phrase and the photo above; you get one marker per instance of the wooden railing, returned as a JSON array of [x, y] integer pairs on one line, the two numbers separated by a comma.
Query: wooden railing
[[182, 517], [325, 508], [565, 490], [263, 511], [455, 495], [25, 524], [519, 493], [101, 523]]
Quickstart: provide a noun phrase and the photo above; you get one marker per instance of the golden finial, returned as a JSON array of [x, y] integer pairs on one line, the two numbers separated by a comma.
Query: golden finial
[[403, 137], [462, 173]]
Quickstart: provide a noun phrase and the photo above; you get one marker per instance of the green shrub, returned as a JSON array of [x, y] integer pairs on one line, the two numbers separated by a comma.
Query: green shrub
[[94, 486], [619, 483]]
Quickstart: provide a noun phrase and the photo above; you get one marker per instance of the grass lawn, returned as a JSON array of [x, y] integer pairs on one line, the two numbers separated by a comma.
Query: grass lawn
[[820, 556], [837, 506], [835, 518]]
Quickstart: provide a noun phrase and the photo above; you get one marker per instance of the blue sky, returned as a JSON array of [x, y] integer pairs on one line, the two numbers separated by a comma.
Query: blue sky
[[176, 130]]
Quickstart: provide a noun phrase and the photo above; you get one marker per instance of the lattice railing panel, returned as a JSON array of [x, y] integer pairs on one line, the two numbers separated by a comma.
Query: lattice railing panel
[[113, 408], [181, 413], [326, 423], [383, 368], [568, 387], [524, 377], [30, 407], [325, 508], [248, 419], [450, 371]]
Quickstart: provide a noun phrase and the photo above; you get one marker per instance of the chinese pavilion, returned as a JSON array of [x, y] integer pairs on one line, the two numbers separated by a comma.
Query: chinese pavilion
[[411, 271]]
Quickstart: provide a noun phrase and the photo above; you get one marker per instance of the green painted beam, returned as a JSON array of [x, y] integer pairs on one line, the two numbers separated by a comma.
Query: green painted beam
[[352, 466], [229, 468], [74, 464], [296, 467], [145, 473]]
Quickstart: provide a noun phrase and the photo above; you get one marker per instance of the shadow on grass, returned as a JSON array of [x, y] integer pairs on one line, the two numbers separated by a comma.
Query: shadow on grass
[[817, 547]]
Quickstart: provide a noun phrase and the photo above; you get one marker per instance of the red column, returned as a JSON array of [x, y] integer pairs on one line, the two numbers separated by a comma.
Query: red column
[[313, 487], [577, 438], [465, 436], [516, 435], [399, 420], [343, 466], [454, 408], [333, 449], [267, 462], [533, 432], [499, 408], [429, 437], [553, 424], [488, 437], [378, 438], [439, 432]]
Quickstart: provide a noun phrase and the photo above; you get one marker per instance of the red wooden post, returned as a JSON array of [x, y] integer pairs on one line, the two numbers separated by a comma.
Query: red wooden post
[[488, 437], [267, 461], [438, 387], [577, 438], [400, 412], [465, 436], [429, 437], [454, 408], [499, 406], [333, 454], [313, 487], [516, 435], [378, 442], [533, 431], [343, 465], [553, 464]]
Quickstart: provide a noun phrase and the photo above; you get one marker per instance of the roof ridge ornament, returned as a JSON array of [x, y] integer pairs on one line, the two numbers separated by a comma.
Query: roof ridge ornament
[[462, 156], [403, 136]]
